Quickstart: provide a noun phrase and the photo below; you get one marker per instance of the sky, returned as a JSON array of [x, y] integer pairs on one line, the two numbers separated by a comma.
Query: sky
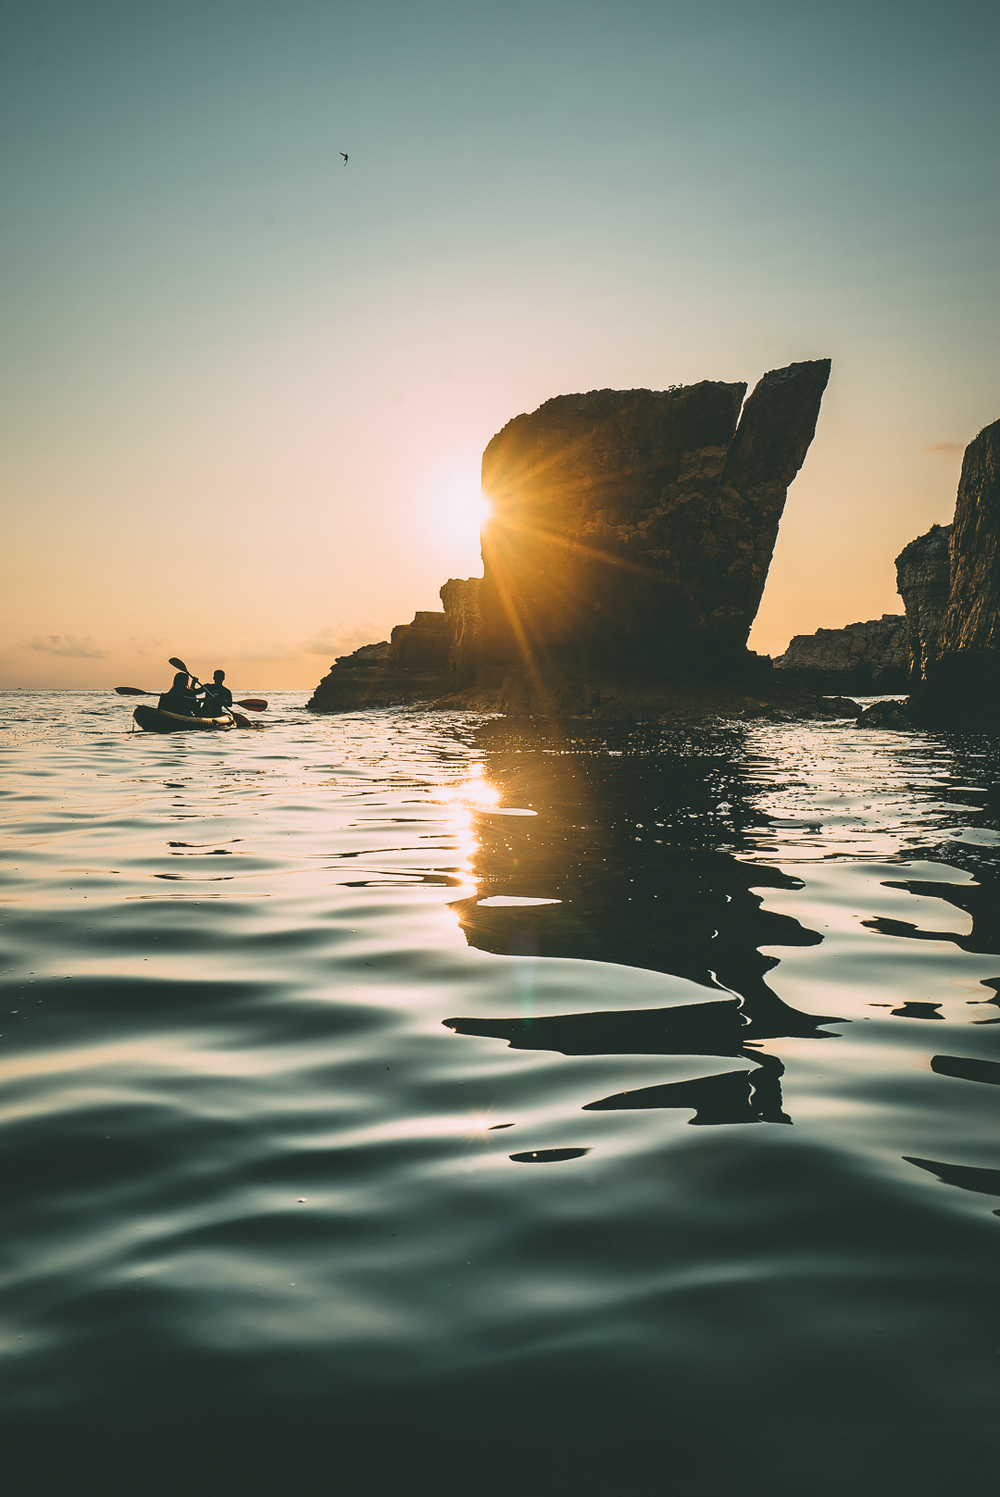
[[246, 388]]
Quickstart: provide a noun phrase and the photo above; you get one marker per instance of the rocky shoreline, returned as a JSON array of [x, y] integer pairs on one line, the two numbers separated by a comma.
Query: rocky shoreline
[[374, 677]]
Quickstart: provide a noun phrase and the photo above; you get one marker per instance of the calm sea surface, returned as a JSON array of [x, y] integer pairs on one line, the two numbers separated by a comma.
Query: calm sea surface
[[421, 1103]]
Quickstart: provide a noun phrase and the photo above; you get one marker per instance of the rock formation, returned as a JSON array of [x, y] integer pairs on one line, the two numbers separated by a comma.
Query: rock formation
[[838, 707], [624, 561], [923, 581], [626, 557], [885, 715], [873, 656], [355, 681], [960, 679], [425, 660], [637, 526], [409, 666]]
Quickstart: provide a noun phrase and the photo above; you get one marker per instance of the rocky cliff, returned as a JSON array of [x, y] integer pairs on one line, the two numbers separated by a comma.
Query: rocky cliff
[[923, 581], [624, 561], [638, 525], [864, 657], [961, 674], [971, 623]]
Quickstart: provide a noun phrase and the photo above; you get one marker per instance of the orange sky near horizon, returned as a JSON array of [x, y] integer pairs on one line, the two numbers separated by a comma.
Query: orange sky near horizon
[[247, 389]]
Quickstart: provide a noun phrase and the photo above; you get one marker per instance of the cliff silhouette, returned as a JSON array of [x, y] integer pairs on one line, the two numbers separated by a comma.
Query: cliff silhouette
[[623, 564]]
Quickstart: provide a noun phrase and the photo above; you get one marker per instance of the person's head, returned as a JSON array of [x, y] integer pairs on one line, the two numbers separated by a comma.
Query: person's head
[[219, 677], [180, 679]]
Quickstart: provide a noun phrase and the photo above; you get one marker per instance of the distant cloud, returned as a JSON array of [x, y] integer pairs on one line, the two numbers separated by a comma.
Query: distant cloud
[[147, 646], [340, 639], [945, 449], [68, 644]]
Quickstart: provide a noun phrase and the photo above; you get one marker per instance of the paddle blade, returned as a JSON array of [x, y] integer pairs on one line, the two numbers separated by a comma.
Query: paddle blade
[[241, 721], [253, 704], [178, 665], [132, 691]]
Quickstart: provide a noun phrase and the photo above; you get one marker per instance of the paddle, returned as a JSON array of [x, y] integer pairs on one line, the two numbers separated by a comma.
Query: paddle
[[252, 704], [237, 717]]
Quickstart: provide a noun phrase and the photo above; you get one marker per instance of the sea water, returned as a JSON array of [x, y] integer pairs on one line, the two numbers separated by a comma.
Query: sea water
[[405, 1102]]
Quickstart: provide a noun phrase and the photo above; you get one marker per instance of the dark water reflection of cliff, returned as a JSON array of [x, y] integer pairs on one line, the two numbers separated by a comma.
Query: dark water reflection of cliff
[[642, 848], [633, 858]]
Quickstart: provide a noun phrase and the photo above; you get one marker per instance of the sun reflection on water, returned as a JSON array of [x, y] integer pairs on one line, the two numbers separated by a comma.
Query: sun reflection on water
[[474, 792], [465, 798]]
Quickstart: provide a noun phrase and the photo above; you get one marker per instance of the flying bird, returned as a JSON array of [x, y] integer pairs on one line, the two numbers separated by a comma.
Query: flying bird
[[344, 154]]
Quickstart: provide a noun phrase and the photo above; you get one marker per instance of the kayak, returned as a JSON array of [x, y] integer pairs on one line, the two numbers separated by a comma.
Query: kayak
[[152, 720]]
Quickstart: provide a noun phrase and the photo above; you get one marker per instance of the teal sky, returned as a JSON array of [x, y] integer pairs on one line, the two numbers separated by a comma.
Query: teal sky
[[246, 389]]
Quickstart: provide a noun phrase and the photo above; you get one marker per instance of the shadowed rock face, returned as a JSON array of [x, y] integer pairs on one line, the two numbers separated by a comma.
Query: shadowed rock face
[[640, 524], [972, 620], [923, 581], [460, 596], [422, 645], [961, 672]]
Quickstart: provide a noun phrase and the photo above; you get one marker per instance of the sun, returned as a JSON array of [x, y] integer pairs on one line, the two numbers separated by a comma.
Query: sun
[[479, 509], [463, 509], [456, 513]]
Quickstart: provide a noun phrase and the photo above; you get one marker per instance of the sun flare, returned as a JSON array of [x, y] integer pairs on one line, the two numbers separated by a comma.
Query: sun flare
[[458, 512]]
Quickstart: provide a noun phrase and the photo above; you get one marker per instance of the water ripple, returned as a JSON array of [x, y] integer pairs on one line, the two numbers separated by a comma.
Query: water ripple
[[285, 1015]]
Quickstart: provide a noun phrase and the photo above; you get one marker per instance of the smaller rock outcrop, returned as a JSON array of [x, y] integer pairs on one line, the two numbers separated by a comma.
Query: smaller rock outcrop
[[839, 706], [410, 667], [864, 657], [425, 660], [353, 681], [923, 581], [885, 715]]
